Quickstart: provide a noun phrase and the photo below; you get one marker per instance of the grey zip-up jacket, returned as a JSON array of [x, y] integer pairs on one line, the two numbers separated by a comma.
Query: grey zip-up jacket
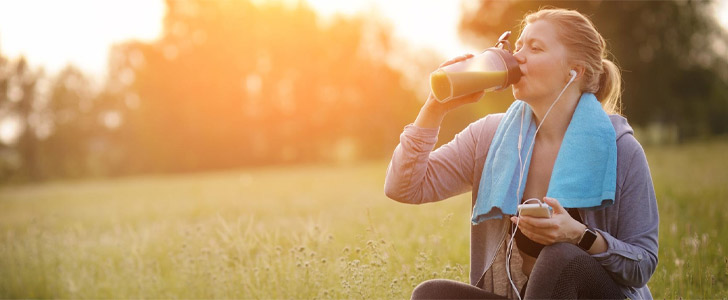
[[418, 175]]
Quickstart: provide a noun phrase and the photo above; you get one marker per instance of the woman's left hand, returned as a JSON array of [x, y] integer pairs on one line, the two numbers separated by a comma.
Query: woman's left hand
[[561, 227]]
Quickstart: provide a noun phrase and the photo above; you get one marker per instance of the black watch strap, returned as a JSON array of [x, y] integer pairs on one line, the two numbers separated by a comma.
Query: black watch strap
[[587, 239]]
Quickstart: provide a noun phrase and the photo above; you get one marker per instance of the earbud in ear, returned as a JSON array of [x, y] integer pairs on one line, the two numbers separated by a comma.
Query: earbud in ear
[[572, 73]]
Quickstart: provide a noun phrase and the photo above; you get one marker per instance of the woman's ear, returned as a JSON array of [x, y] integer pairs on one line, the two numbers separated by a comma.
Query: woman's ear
[[579, 71], [575, 73]]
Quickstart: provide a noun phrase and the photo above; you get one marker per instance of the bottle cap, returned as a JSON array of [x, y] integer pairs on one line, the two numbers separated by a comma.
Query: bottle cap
[[503, 49]]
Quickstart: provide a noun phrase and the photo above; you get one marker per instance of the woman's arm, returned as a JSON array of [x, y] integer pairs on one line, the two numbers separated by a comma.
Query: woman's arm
[[631, 255], [416, 174], [629, 252]]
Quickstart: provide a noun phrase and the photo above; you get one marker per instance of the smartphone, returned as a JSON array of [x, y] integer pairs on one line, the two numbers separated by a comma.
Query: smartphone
[[537, 210]]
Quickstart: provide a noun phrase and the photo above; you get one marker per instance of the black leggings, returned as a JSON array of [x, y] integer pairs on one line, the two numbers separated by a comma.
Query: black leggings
[[562, 271]]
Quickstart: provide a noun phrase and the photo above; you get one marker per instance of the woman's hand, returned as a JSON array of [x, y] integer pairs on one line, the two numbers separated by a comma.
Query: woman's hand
[[458, 101], [433, 111], [561, 227]]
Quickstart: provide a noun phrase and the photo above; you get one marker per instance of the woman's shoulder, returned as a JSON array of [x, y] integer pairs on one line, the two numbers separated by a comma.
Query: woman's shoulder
[[630, 154], [481, 132], [486, 126], [626, 142], [621, 125]]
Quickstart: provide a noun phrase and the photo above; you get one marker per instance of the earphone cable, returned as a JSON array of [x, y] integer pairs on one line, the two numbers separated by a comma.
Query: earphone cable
[[522, 167]]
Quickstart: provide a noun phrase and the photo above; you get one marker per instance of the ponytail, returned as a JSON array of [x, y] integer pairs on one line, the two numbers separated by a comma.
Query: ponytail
[[588, 48], [610, 87]]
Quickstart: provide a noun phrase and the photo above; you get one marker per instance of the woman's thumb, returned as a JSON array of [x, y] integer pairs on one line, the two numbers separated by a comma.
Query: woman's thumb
[[554, 204]]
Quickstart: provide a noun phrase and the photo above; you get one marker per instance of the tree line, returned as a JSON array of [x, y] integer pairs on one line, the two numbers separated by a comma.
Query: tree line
[[234, 84]]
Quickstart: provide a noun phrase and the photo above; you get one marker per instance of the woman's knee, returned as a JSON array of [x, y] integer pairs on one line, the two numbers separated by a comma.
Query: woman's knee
[[563, 252], [551, 267], [554, 258], [427, 289], [448, 289], [566, 271]]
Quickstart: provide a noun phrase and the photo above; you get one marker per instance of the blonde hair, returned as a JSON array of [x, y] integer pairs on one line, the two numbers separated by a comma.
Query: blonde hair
[[585, 47]]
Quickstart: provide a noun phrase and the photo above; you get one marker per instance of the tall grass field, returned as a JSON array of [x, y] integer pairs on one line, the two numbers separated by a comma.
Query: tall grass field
[[306, 232]]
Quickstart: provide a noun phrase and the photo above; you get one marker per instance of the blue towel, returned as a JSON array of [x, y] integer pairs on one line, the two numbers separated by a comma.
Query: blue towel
[[584, 174]]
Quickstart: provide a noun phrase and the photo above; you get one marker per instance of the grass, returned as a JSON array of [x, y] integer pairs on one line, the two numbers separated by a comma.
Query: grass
[[305, 232]]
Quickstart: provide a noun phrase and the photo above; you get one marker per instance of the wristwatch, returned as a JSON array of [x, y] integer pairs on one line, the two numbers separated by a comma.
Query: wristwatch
[[587, 239]]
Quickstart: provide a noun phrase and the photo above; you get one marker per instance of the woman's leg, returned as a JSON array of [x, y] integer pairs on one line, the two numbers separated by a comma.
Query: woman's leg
[[450, 289], [565, 271]]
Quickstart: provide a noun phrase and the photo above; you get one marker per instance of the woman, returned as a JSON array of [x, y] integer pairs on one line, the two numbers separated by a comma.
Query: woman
[[554, 258]]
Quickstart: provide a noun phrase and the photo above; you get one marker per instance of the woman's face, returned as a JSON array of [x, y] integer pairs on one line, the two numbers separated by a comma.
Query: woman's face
[[542, 59]]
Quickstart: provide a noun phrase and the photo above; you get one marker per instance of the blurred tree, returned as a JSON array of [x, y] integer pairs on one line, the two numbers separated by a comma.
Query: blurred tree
[[53, 127], [673, 53], [231, 83], [228, 84], [66, 151], [7, 151], [21, 90]]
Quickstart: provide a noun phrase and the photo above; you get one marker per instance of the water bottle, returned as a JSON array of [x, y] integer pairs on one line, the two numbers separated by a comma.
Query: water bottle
[[493, 69]]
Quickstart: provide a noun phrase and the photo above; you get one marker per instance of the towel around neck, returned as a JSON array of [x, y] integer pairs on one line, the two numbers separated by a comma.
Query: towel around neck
[[584, 173]]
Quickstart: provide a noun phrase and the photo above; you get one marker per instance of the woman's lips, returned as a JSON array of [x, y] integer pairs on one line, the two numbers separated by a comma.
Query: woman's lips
[[520, 80]]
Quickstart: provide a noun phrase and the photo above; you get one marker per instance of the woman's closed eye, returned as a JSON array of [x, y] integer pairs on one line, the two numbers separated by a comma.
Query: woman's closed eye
[[532, 48]]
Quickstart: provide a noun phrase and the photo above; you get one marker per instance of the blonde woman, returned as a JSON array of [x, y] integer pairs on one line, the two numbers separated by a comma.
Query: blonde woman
[[602, 246]]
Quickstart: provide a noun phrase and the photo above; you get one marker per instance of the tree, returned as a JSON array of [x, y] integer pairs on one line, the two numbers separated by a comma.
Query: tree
[[67, 150], [22, 85], [673, 55], [231, 83]]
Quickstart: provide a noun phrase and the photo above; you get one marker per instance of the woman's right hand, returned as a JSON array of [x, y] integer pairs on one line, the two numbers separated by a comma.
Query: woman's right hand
[[434, 111]]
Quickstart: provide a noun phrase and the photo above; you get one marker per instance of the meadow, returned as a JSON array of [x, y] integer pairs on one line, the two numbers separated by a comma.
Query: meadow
[[306, 232]]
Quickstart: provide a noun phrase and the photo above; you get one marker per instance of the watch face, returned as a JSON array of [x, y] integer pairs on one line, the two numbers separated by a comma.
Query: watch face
[[588, 239]]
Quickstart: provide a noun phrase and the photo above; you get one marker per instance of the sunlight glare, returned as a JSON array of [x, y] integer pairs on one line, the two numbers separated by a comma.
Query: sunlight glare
[[10, 129], [56, 33], [432, 24], [721, 13]]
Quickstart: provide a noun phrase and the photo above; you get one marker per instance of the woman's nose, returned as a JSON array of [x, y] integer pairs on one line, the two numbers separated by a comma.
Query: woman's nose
[[520, 58]]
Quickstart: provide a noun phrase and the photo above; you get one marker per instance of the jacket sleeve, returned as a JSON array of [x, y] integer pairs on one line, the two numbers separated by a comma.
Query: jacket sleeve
[[417, 175], [631, 256]]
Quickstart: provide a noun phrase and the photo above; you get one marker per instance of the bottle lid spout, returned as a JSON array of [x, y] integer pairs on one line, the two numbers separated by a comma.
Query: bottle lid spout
[[503, 48], [503, 42]]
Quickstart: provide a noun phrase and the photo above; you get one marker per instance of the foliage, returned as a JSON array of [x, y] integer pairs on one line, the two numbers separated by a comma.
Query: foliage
[[228, 84], [674, 55], [231, 83]]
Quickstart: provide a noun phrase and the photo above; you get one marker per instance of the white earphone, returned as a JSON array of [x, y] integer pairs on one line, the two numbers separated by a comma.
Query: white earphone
[[509, 248]]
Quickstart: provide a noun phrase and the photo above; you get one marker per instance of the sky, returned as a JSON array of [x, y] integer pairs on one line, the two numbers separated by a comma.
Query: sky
[[81, 38], [74, 31], [432, 23]]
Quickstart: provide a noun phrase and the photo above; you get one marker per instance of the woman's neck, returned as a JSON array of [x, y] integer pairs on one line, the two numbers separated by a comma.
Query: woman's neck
[[557, 121]]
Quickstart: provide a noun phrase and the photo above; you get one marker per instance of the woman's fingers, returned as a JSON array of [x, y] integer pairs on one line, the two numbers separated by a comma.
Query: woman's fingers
[[456, 59], [537, 237], [531, 236], [523, 225], [465, 99], [456, 102], [528, 231], [540, 223], [470, 98], [536, 229]]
